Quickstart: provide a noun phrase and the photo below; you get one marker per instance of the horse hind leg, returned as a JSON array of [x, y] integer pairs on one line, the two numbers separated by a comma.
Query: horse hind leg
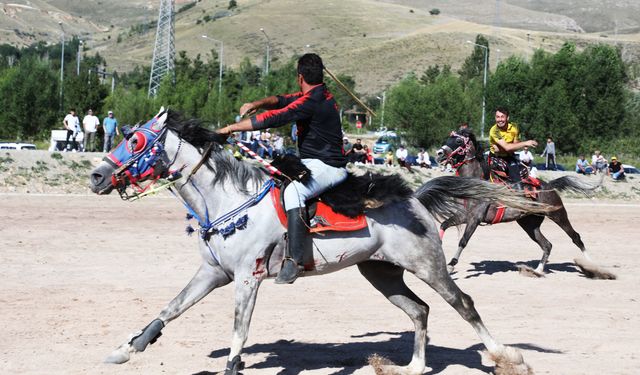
[[561, 218], [387, 278], [203, 282], [433, 271], [588, 267], [531, 225]]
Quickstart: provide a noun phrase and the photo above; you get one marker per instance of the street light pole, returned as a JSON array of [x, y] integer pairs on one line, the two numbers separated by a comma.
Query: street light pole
[[219, 71], [61, 66], [266, 64], [484, 84], [384, 95], [78, 58]]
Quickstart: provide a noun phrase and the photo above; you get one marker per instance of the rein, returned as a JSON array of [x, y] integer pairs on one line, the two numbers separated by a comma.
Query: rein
[[461, 150]]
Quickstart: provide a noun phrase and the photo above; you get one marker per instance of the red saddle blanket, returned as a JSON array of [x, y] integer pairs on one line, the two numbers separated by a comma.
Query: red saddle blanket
[[324, 218], [529, 184]]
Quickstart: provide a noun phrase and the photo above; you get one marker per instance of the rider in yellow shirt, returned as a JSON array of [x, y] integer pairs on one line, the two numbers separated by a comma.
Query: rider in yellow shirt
[[504, 141]]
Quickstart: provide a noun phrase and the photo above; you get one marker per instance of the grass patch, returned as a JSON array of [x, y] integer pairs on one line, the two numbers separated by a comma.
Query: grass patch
[[56, 156]]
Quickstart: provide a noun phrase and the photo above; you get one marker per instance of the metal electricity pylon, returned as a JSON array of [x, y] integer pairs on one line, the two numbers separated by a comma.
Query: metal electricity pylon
[[164, 51]]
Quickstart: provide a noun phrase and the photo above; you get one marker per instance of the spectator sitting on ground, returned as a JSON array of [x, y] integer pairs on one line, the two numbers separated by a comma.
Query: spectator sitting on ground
[[615, 169], [401, 155], [598, 162], [423, 159], [526, 157], [582, 166], [368, 155], [388, 160], [347, 147], [357, 152]]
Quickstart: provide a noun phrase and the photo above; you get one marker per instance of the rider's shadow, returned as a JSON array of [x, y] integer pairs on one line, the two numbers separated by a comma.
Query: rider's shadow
[[349, 357], [489, 267]]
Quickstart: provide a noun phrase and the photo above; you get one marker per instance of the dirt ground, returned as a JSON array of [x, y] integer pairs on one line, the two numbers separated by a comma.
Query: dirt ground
[[82, 272]]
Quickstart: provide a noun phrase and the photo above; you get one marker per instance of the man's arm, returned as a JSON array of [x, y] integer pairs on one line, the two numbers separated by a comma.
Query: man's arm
[[515, 146], [270, 102]]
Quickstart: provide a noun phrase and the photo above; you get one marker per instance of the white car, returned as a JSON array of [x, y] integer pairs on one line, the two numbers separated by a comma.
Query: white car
[[17, 146]]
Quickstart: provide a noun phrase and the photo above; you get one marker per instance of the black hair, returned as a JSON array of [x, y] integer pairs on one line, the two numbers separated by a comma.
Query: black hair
[[310, 66], [503, 110]]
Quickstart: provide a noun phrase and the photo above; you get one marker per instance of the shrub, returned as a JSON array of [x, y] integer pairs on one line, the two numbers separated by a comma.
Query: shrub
[[434, 11]]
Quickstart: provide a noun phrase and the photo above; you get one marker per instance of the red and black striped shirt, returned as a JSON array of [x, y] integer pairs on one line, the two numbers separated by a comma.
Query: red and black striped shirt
[[318, 120]]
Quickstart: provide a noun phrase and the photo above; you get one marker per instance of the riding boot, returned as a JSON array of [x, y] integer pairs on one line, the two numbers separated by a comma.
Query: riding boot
[[298, 242]]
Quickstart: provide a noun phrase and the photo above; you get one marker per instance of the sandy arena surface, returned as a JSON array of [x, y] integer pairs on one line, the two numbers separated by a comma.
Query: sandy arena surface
[[81, 272]]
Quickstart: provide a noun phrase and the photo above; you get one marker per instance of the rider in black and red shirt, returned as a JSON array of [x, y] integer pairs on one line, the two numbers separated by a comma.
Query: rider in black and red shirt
[[317, 117]]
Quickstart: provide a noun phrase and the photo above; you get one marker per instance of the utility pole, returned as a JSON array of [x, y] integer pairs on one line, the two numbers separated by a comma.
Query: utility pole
[[266, 64], [484, 84], [164, 51], [220, 71], [61, 68], [78, 57]]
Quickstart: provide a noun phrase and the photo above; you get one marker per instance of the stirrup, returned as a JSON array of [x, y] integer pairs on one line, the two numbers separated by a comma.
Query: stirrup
[[289, 271]]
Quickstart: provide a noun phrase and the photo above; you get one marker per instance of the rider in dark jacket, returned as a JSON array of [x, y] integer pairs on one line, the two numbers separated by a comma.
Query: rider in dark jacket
[[317, 117]]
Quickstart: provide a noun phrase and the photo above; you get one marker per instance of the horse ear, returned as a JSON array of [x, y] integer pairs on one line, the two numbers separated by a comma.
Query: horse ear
[[163, 118], [162, 110]]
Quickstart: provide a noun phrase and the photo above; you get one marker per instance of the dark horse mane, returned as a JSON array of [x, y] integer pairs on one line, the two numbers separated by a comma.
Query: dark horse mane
[[479, 149], [192, 131], [350, 198]]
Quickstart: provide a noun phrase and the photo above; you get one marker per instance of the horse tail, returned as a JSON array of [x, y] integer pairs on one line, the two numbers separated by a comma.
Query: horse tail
[[573, 183], [442, 195]]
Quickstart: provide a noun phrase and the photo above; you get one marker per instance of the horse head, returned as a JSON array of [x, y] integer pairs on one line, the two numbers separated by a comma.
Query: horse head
[[144, 155], [458, 148]]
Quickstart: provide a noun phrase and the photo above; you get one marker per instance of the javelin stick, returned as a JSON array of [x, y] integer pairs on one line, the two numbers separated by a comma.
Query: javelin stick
[[346, 89], [266, 164]]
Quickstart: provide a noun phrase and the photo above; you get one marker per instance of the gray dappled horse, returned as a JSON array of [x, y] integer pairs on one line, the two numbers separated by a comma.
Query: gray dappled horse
[[401, 235], [462, 151]]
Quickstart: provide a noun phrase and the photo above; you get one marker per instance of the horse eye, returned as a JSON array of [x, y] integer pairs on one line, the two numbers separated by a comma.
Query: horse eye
[[459, 141]]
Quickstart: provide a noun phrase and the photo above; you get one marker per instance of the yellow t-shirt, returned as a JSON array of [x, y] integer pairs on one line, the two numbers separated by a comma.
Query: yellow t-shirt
[[509, 135]]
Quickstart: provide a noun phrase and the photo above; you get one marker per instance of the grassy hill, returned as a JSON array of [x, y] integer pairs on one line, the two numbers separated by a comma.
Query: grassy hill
[[376, 41]]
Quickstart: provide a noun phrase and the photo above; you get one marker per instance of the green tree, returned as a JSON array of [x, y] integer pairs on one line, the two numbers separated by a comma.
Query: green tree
[[29, 100]]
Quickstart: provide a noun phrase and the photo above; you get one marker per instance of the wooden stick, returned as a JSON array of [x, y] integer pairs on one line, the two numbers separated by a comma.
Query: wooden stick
[[346, 89]]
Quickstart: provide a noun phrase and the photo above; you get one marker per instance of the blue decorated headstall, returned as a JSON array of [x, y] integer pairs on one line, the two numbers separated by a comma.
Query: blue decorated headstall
[[139, 157]]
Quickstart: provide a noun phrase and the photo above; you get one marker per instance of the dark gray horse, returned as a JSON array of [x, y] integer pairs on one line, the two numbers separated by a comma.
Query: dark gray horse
[[461, 150], [248, 245]]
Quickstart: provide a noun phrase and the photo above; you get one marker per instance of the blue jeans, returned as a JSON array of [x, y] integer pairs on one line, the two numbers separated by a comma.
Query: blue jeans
[[108, 141], [323, 177], [617, 175]]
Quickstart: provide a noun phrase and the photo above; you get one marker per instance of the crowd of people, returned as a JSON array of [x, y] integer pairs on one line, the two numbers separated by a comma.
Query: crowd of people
[[599, 164], [89, 128]]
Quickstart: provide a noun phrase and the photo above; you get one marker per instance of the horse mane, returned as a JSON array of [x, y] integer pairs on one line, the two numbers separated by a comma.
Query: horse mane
[[357, 193], [479, 149], [192, 131]]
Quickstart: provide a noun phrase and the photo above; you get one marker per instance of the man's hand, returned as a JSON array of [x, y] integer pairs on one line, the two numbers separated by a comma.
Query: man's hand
[[248, 109], [531, 143], [227, 130]]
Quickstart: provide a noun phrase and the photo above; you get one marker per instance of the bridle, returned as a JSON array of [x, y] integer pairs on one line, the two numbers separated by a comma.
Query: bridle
[[462, 154], [141, 156]]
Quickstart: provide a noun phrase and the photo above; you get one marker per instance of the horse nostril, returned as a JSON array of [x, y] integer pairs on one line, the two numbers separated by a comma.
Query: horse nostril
[[96, 178]]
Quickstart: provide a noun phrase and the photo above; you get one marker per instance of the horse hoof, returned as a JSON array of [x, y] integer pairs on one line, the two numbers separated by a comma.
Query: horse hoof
[[509, 361], [527, 271], [120, 355], [234, 366]]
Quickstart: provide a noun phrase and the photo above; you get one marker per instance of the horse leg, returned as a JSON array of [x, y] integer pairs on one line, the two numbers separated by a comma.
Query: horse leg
[[469, 230], [387, 279], [531, 225], [245, 300], [206, 279], [561, 218], [476, 215], [432, 270]]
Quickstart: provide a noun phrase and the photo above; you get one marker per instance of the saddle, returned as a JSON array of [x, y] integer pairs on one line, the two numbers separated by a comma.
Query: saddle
[[343, 207], [527, 183]]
